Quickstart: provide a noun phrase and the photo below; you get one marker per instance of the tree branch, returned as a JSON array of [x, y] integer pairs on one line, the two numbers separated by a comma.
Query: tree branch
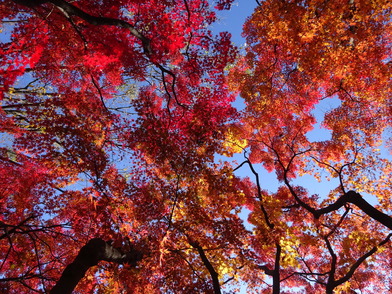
[[70, 10], [356, 199], [331, 275], [259, 194], [276, 271], [14, 228], [360, 260], [266, 270], [89, 255], [214, 275], [349, 197]]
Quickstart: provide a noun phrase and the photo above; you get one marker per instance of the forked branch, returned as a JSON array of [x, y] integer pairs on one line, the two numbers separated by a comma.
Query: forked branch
[[348, 197], [94, 251]]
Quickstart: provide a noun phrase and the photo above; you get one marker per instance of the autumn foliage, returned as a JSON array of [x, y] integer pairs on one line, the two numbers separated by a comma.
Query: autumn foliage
[[119, 123]]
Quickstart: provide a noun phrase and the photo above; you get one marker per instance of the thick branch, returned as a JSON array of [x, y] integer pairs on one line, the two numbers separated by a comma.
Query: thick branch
[[214, 275], [356, 199], [71, 10], [332, 283], [331, 275], [349, 197], [374, 213], [89, 255], [276, 273], [266, 270], [360, 260]]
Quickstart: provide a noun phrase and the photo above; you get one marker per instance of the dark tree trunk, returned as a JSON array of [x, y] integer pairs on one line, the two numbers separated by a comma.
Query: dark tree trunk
[[276, 271], [89, 255]]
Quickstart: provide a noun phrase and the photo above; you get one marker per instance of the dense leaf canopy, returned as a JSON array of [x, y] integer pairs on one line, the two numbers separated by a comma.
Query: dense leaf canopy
[[118, 128]]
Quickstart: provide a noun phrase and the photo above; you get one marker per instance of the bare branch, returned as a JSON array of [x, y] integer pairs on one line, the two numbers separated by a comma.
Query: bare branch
[[259, 194]]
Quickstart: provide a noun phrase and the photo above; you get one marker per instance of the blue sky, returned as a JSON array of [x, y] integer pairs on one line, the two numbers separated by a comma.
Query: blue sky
[[233, 20]]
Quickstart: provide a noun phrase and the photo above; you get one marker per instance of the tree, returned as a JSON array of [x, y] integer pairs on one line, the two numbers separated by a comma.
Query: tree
[[112, 117], [300, 53]]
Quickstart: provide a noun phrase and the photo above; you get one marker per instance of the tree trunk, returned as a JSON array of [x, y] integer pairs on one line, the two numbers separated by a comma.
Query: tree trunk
[[89, 255]]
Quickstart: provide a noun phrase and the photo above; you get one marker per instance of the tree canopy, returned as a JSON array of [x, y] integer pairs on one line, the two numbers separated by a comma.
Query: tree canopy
[[119, 122]]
